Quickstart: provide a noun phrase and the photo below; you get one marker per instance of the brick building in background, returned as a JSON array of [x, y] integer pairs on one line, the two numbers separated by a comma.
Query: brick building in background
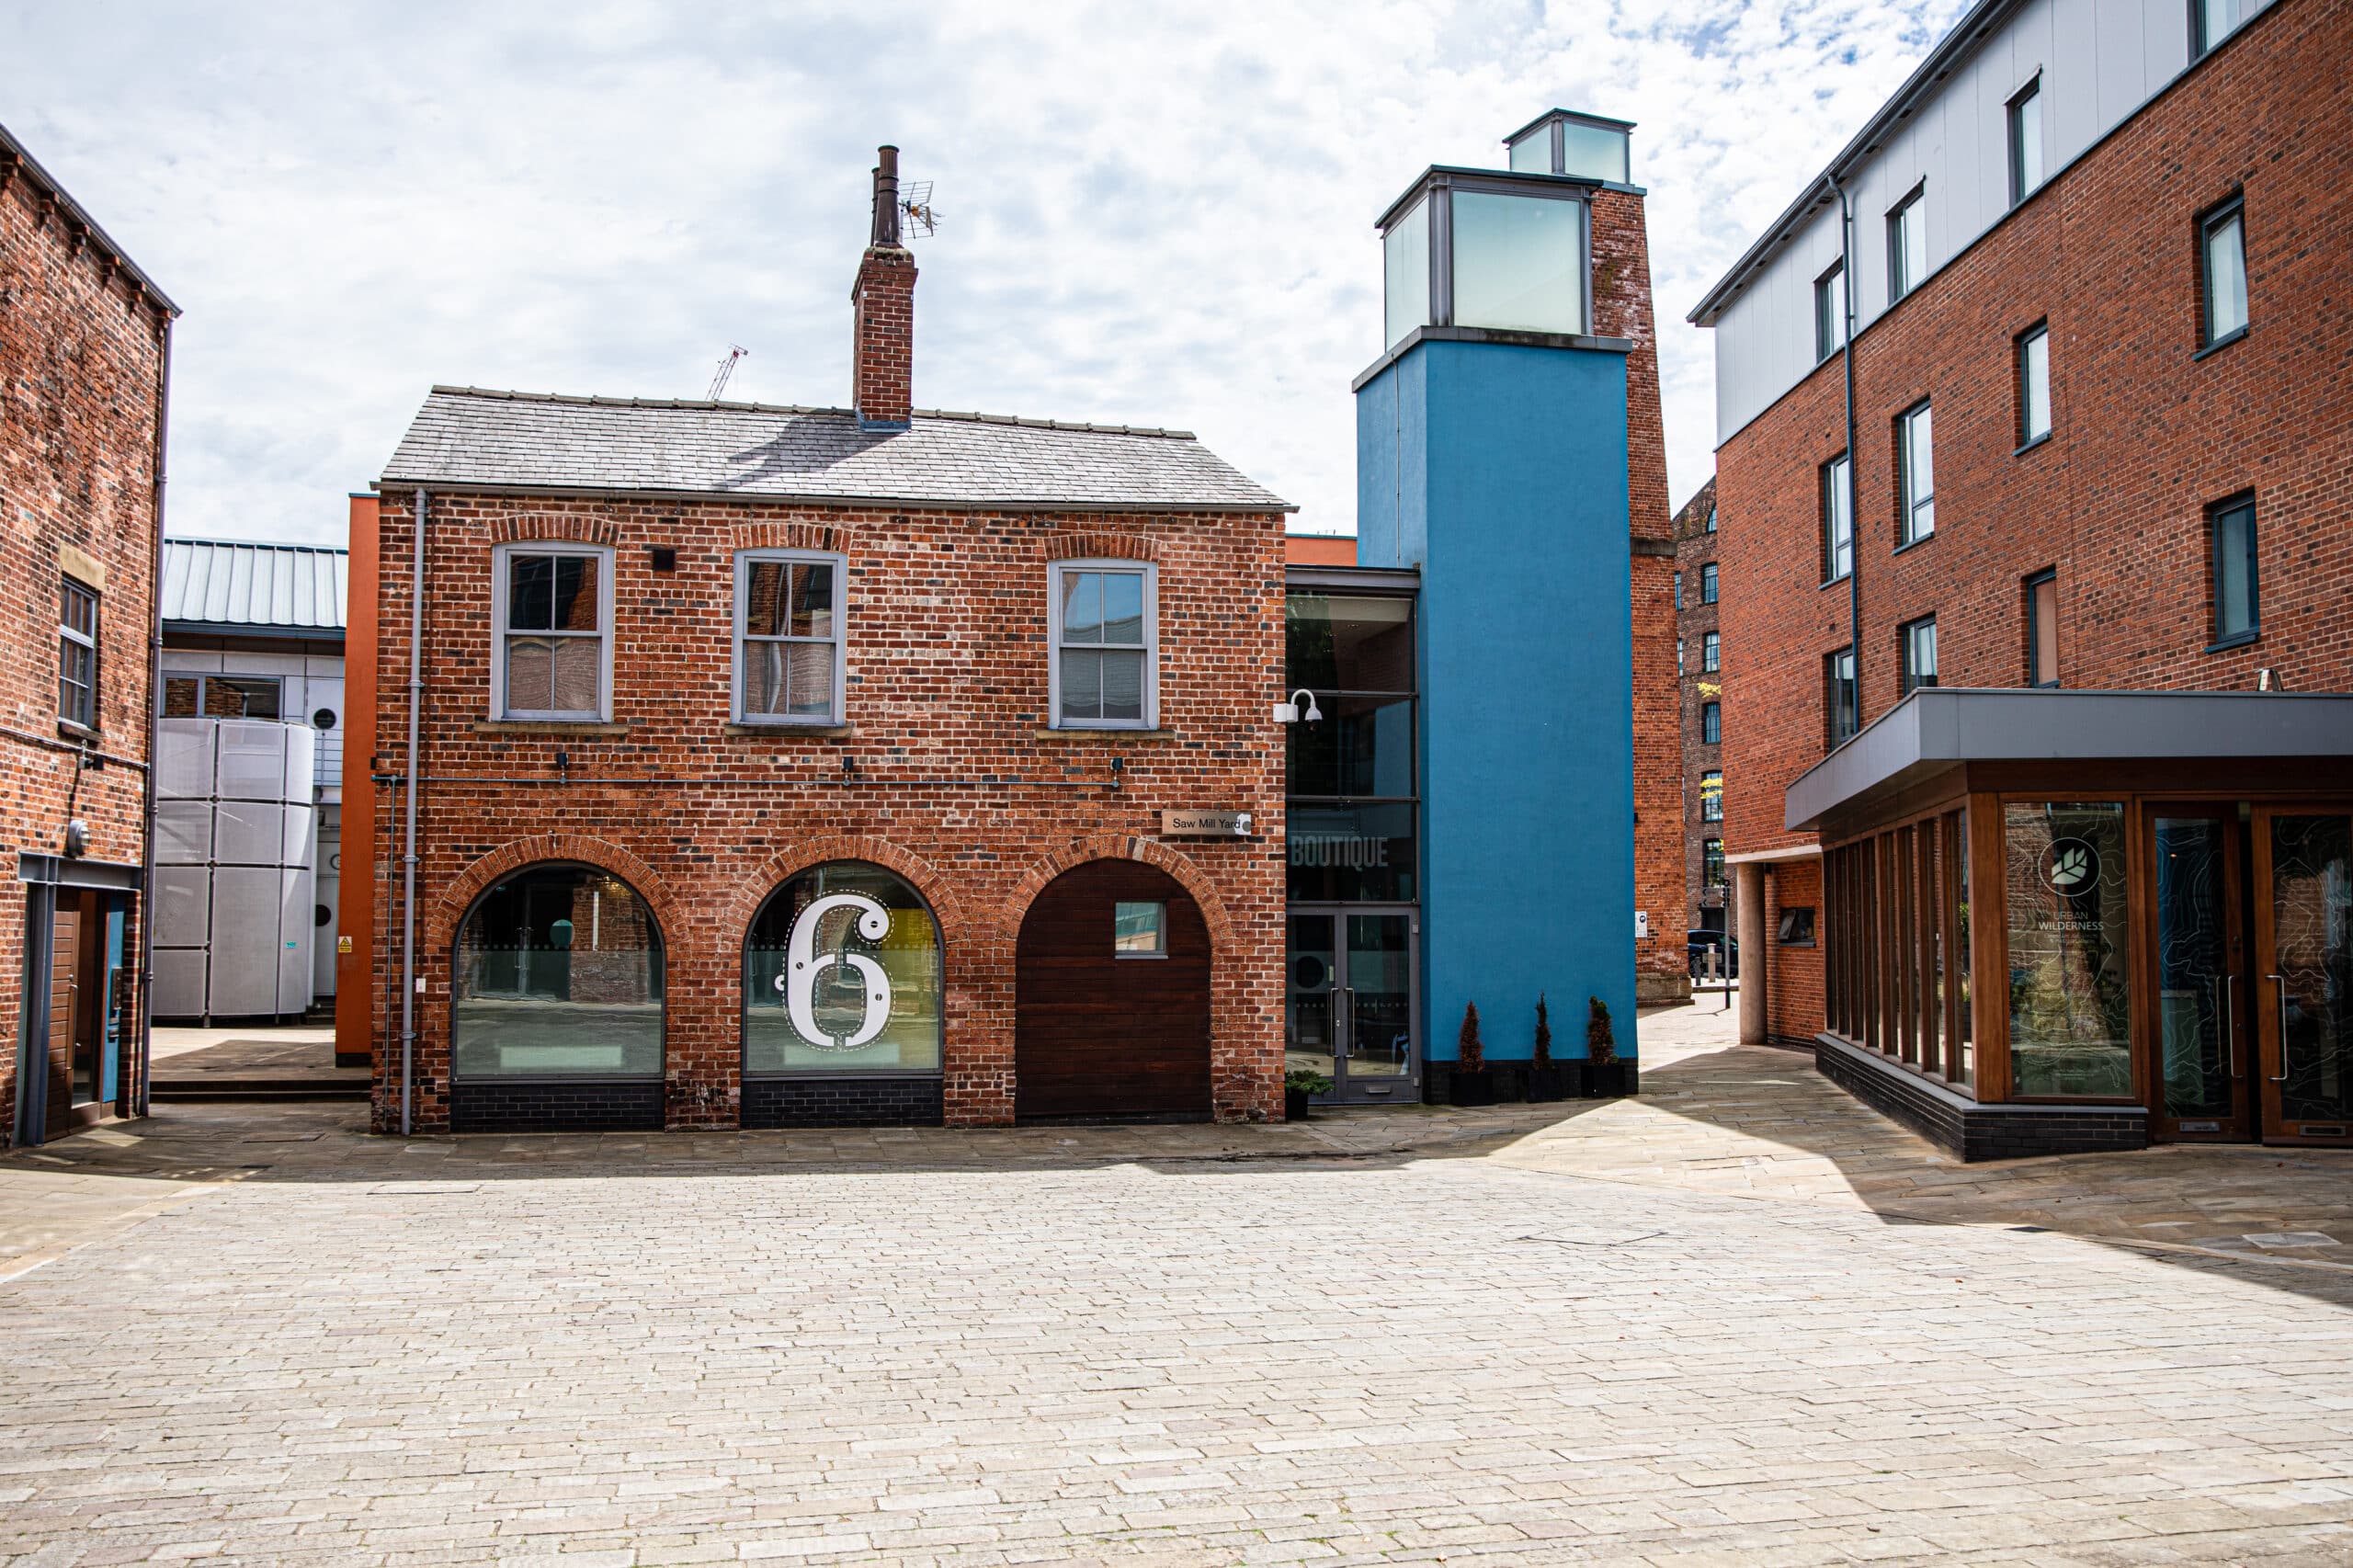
[[85, 361], [1699, 669], [787, 765], [2096, 260]]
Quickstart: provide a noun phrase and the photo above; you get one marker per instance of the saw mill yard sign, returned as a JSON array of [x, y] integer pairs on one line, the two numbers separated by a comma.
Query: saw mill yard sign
[[1205, 824]]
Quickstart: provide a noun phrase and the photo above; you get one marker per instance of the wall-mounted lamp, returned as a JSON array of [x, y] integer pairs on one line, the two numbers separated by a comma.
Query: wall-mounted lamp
[[1289, 713]]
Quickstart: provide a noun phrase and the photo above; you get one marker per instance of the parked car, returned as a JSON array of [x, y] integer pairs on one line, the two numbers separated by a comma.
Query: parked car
[[1699, 943]]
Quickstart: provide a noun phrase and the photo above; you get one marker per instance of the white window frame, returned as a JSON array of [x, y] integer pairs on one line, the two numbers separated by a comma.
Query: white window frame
[[744, 563], [1054, 574], [87, 640], [1915, 436], [1711, 653], [500, 574], [2033, 340]]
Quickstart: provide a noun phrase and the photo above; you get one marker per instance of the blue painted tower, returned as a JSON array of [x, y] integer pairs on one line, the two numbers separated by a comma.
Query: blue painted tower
[[1492, 454]]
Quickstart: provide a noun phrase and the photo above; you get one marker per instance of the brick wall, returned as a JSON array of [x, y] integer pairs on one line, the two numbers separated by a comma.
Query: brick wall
[[2147, 435], [1793, 1004], [80, 377], [947, 681], [1695, 548], [1621, 308]]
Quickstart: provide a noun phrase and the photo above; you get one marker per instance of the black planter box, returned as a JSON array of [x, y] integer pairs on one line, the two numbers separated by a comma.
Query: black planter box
[[1609, 1080], [1561, 1081], [1294, 1105], [1470, 1088]]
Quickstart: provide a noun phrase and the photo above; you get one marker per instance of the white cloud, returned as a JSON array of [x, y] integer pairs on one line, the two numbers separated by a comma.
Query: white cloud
[[1151, 216]]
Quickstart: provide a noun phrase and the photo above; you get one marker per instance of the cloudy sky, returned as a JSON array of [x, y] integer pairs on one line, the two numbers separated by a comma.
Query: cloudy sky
[[1149, 215]]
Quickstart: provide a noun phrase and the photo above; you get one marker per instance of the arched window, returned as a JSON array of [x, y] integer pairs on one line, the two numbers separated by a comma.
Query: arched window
[[842, 974], [558, 975]]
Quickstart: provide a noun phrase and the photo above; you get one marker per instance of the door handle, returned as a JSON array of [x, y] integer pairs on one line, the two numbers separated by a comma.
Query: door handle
[[2231, 1022], [2279, 992], [1344, 1037]]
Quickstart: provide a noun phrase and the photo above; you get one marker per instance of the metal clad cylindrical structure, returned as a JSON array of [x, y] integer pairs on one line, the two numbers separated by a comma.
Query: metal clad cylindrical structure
[[236, 839]]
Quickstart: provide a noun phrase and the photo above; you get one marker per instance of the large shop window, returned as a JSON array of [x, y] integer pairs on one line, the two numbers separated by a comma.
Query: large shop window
[[790, 648], [1895, 943], [842, 974], [1106, 647], [1350, 777], [552, 651], [2070, 993], [558, 975]]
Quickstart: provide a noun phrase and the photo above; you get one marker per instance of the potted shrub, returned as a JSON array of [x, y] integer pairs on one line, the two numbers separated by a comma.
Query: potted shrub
[[1548, 1079], [1470, 1083], [1604, 1074], [1298, 1084]]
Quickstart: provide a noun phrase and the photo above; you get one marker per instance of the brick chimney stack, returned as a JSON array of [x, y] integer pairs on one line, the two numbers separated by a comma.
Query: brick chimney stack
[[883, 305]]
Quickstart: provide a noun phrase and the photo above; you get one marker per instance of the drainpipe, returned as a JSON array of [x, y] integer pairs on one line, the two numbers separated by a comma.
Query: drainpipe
[[146, 957], [1853, 466], [408, 828]]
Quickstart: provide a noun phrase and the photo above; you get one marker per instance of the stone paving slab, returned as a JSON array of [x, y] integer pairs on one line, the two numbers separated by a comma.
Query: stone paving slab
[[1622, 1333]]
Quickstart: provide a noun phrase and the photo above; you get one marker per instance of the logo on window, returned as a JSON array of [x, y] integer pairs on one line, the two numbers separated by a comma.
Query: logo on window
[[2069, 866], [804, 966]]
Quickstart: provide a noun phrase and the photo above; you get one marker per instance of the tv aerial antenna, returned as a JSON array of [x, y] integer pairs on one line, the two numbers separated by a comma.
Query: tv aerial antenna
[[915, 202], [726, 367]]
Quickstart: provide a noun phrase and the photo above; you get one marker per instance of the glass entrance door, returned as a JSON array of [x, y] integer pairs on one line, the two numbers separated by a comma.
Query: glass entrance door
[[2303, 921], [1349, 1003], [2205, 1041]]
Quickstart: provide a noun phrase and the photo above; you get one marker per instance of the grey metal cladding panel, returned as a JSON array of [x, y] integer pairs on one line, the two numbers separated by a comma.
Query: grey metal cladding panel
[[527, 443], [235, 583]]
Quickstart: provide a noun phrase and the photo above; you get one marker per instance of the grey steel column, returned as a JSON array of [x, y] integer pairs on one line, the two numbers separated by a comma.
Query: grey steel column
[[1748, 916]]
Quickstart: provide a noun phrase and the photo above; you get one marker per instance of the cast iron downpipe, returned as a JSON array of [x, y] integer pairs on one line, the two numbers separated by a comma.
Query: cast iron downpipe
[[154, 731], [1854, 510], [408, 829]]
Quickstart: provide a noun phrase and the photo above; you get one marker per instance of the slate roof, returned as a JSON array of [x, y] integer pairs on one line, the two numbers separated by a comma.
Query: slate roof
[[285, 589], [469, 438]]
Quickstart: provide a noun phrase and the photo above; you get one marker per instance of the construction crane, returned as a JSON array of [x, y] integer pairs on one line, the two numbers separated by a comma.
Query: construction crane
[[726, 369]]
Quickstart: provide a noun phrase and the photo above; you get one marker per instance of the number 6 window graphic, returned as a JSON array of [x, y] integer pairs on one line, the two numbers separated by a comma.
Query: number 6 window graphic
[[804, 964]]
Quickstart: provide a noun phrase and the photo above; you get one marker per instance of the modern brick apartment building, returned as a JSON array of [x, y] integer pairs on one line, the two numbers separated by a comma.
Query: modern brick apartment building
[[2049, 676], [1699, 645], [772, 766], [85, 360]]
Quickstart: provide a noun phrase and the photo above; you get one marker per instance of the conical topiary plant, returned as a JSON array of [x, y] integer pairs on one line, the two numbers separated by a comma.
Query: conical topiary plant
[[1543, 1034], [1600, 1044], [1473, 1055]]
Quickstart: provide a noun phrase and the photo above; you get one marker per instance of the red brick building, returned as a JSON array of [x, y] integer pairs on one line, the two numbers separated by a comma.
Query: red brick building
[[1698, 669], [85, 357], [2092, 271], [784, 766]]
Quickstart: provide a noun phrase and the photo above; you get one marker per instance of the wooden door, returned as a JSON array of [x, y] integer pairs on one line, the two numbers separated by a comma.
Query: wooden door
[[64, 1011], [1104, 1026]]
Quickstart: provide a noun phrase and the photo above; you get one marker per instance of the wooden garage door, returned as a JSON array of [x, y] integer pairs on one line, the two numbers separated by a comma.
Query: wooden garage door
[[1096, 1034]]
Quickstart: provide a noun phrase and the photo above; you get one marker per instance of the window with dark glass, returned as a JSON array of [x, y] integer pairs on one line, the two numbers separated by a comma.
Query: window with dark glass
[[2034, 384], [1711, 862], [1678, 590], [2043, 629], [1350, 775], [842, 974], [2237, 609], [1915, 468], [1837, 521], [1918, 644], [552, 645], [2222, 273], [1796, 929], [2211, 21], [1140, 930], [1838, 695], [1712, 652], [558, 975], [1708, 584], [1712, 519], [1830, 312], [1711, 795], [221, 696], [1907, 244], [77, 654], [2026, 141], [1712, 723]]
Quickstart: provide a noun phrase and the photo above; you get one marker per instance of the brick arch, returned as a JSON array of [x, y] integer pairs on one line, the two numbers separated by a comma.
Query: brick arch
[[561, 527], [1100, 545], [791, 536], [477, 879], [1123, 847], [753, 892]]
